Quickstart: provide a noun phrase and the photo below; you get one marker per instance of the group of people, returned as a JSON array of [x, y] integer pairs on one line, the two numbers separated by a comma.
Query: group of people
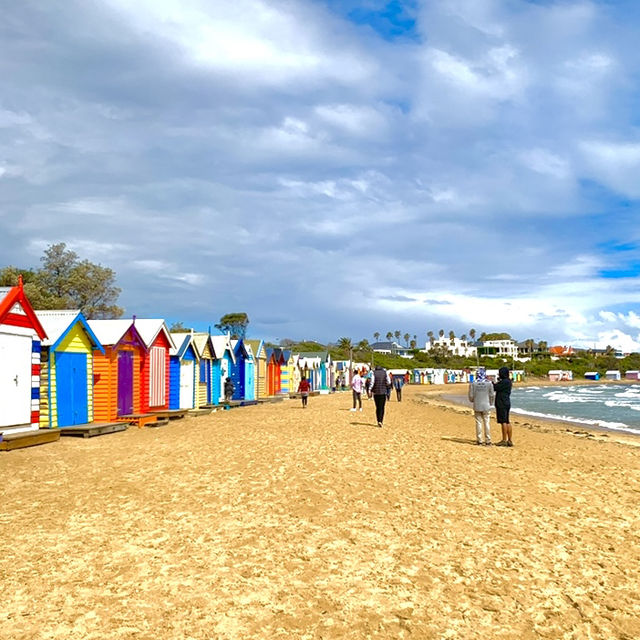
[[376, 383], [484, 394]]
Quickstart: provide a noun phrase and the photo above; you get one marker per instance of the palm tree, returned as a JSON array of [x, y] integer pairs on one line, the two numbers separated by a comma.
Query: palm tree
[[397, 334], [376, 336], [363, 345], [463, 337], [472, 334], [441, 332], [406, 337], [345, 345], [542, 345], [430, 336], [413, 343], [452, 335], [389, 335]]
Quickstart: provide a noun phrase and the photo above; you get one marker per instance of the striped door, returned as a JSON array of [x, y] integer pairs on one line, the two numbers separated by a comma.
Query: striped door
[[157, 377]]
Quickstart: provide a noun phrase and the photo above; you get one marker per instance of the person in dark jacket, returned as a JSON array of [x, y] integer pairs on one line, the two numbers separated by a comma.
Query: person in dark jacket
[[381, 382], [503, 405], [228, 389]]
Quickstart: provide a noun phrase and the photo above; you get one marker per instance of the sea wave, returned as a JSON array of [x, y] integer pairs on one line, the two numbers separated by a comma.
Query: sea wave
[[615, 426]]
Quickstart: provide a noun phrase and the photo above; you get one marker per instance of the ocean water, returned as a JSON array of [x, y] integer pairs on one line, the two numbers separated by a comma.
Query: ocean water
[[609, 406]]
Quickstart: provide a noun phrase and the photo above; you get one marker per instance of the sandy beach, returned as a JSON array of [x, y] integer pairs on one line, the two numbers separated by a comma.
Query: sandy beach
[[277, 522]]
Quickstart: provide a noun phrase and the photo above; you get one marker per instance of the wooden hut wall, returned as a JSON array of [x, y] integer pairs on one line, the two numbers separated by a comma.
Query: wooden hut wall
[[105, 376], [155, 376]]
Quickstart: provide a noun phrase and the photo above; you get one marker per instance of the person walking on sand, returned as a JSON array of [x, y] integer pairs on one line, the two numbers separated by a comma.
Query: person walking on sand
[[381, 383], [481, 395], [398, 383], [303, 389], [357, 383], [502, 389]]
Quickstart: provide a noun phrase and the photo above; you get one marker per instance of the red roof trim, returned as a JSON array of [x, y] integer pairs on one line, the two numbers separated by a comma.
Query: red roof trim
[[16, 294]]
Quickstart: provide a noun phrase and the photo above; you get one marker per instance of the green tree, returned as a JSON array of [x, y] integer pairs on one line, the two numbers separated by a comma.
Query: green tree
[[234, 323], [345, 345], [406, 337], [65, 282], [441, 333], [472, 334], [376, 336], [397, 334], [178, 327], [413, 343], [389, 335], [430, 336]]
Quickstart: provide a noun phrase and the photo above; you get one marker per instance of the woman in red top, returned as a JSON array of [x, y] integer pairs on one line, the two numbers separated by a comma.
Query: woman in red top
[[303, 388]]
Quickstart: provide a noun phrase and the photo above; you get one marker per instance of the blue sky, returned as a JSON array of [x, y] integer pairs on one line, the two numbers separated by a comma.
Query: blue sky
[[334, 168]]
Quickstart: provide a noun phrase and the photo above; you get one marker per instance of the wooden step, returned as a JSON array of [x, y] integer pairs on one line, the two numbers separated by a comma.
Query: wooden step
[[28, 439], [92, 429]]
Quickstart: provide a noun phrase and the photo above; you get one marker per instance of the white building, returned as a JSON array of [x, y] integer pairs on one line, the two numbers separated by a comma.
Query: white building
[[503, 348], [455, 346]]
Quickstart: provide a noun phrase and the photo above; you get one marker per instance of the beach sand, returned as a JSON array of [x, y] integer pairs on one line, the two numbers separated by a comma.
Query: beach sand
[[277, 522]]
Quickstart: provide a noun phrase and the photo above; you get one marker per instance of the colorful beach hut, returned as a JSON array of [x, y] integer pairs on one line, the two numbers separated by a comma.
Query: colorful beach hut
[[592, 375], [21, 334], [275, 362], [117, 371], [224, 360], [155, 364], [183, 372], [204, 389], [260, 367], [242, 371], [612, 374], [66, 383]]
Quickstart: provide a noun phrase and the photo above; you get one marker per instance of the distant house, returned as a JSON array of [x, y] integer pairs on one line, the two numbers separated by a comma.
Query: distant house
[[561, 351], [499, 348], [392, 348], [612, 375], [592, 375], [632, 375]]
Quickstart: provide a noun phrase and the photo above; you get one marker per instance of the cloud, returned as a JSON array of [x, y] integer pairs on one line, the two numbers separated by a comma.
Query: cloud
[[328, 176]]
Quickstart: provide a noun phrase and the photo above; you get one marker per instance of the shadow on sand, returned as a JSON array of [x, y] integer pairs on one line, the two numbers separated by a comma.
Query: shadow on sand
[[460, 440]]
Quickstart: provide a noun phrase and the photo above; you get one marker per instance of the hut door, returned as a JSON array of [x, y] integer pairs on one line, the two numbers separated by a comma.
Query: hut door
[[125, 383], [15, 379], [186, 384], [71, 388]]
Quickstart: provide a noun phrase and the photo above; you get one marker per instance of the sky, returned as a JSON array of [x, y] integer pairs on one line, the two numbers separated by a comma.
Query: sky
[[334, 168]]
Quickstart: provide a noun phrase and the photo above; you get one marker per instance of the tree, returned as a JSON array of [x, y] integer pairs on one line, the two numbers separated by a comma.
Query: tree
[[363, 345], [397, 334], [234, 323], [430, 336], [413, 343], [345, 345], [389, 335], [441, 333], [472, 334], [463, 337], [64, 282], [452, 335], [376, 336], [406, 337], [178, 327]]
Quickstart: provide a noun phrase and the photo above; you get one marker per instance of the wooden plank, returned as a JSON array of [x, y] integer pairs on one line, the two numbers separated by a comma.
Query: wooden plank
[[28, 439], [140, 419], [94, 429], [171, 414]]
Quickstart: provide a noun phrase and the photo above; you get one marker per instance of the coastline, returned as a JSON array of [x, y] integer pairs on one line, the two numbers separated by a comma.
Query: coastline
[[455, 396]]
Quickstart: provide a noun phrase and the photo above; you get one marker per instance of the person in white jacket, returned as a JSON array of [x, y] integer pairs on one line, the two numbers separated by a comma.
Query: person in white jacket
[[482, 395]]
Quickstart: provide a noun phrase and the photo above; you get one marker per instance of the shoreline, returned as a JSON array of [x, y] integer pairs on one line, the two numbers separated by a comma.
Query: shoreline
[[455, 397]]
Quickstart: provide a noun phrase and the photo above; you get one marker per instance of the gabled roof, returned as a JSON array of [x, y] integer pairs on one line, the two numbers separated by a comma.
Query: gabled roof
[[15, 309], [257, 346], [111, 332], [222, 344], [239, 347], [200, 340], [182, 341], [58, 324], [150, 328], [323, 355]]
